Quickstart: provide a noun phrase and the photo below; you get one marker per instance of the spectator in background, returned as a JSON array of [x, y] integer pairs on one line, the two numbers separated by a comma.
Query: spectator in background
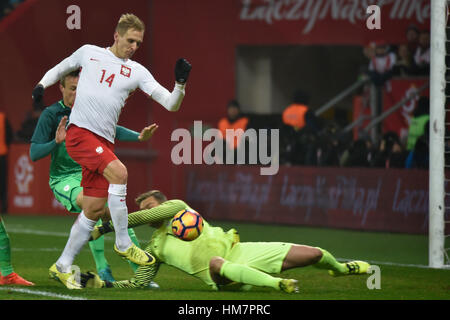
[[295, 114], [298, 134], [30, 122], [412, 38], [422, 55], [357, 155], [391, 153], [329, 146], [382, 64], [234, 120], [420, 118], [6, 137], [419, 157], [369, 50], [28, 125], [404, 63]]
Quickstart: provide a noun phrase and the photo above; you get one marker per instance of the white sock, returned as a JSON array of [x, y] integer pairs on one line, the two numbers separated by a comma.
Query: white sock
[[79, 235], [119, 214]]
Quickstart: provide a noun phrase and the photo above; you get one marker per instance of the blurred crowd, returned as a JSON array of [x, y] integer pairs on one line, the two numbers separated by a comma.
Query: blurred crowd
[[307, 140], [312, 141], [408, 59]]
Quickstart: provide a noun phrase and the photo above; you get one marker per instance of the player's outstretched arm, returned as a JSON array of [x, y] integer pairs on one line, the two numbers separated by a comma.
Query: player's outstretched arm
[[164, 211], [169, 100], [142, 278], [41, 150], [147, 132], [41, 144], [53, 75], [125, 134]]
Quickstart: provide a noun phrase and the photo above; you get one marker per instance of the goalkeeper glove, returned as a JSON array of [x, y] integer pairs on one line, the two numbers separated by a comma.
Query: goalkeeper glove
[[182, 69], [101, 230], [92, 280]]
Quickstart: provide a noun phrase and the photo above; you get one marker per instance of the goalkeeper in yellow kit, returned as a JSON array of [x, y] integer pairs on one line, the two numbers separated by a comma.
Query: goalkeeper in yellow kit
[[217, 257]]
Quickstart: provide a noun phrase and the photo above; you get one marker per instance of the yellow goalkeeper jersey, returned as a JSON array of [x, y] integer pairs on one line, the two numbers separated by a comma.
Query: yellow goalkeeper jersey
[[192, 256]]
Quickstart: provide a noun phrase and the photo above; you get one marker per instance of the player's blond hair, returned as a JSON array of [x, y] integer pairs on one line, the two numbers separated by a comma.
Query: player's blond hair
[[158, 195], [129, 21]]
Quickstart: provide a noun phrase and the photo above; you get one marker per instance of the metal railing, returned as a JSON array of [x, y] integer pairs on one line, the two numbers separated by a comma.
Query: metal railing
[[342, 95], [394, 108]]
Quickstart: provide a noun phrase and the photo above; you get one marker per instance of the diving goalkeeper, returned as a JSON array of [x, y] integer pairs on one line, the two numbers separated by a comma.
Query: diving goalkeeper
[[217, 257]]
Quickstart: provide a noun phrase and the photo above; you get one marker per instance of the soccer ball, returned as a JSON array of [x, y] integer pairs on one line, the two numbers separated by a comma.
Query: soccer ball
[[187, 225]]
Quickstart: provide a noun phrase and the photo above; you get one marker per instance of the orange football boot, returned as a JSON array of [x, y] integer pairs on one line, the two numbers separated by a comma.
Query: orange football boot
[[14, 278]]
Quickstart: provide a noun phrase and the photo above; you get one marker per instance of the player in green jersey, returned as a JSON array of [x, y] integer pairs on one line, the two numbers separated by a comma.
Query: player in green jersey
[[65, 173], [7, 274], [217, 257]]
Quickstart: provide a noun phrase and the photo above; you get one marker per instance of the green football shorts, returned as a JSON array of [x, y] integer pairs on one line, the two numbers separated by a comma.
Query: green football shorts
[[264, 256], [66, 192]]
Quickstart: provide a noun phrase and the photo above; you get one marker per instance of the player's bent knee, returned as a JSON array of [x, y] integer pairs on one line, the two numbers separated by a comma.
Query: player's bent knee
[[317, 254], [93, 215], [116, 172], [94, 210]]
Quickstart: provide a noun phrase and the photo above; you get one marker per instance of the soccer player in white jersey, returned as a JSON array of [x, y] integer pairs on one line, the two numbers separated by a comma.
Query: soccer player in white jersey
[[107, 78]]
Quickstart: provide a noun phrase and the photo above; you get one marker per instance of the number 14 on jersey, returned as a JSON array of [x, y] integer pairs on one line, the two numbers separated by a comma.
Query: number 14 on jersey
[[108, 80]]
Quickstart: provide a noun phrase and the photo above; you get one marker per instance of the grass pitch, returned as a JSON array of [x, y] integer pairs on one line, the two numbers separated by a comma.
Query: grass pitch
[[38, 241]]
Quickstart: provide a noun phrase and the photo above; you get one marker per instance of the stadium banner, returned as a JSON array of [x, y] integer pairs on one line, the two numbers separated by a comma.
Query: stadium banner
[[395, 91], [393, 200], [28, 189], [327, 21]]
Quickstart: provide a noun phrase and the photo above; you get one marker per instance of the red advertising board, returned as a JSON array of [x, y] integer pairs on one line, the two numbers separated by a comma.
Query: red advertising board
[[28, 189], [29, 192], [363, 199], [397, 90]]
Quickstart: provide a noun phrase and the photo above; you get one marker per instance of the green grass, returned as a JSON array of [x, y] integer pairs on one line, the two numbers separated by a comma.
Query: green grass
[[34, 251]]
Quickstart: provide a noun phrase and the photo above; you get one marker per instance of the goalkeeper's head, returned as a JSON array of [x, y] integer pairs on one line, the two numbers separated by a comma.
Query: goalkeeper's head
[[150, 199]]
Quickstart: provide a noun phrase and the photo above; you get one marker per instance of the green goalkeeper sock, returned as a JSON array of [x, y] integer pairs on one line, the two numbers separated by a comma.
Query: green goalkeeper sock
[[135, 240], [5, 252], [329, 262], [98, 251], [247, 275]]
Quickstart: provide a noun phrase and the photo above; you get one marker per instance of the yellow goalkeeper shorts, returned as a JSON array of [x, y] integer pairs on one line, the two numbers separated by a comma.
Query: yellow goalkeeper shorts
[[264, 256]]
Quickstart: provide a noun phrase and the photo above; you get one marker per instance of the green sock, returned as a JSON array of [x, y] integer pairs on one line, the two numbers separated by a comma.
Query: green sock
[[329, 262], [135, 240], [5, 252], [98, 251], [247, 275]]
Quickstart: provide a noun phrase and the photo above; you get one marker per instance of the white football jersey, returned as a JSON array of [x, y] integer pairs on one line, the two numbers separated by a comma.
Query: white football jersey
[[105, 83]]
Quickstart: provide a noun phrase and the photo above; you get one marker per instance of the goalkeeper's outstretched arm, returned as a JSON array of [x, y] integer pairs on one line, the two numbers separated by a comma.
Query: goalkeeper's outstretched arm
[[164, 211], [142, 277], [154, 215]]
